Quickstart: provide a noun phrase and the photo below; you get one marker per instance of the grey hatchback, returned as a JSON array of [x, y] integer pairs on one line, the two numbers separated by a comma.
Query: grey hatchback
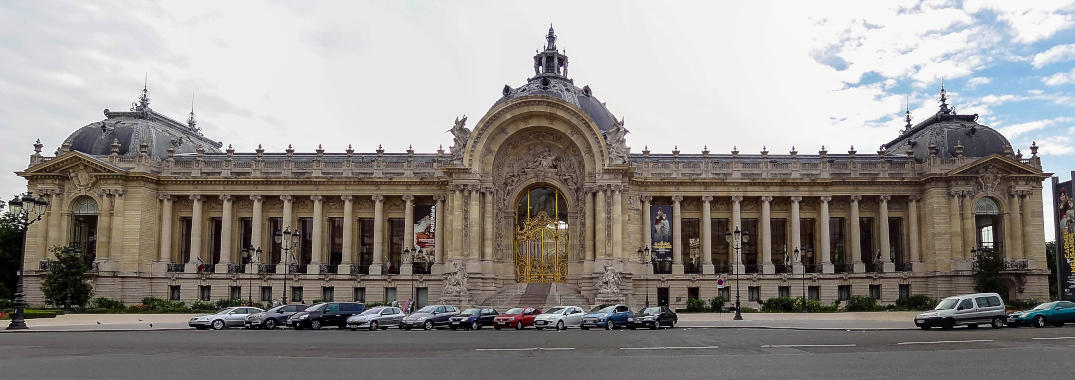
[[272, 318], [380, 317]]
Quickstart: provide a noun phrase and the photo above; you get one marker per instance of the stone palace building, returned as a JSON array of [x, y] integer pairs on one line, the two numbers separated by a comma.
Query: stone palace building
[[541, 202]]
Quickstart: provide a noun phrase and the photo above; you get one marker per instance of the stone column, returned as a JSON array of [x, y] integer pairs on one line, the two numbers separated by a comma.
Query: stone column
[[912, 232], [317, 232], [588, 257], [378, 234], [767, 236], [617, 222], [1015, 247], [166, 228], [408, 232], [104, 225], [707, 235], [677, 235], [487, 232], [600, 226], [855, 224], [967, 218], [886, 247], [826, 245], [257, 217], [796, 236], [55, 235], [457, 222], [475, 223], [196, 222], [348, 234], [115, 253], [288, 214], [737, 222], [225, 233], [647, 230], [956, 231], [1028, 226], [438, 229]]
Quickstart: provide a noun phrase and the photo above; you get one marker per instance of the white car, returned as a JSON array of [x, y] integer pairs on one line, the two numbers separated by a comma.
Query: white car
[[228, 317], [968, 310], [559, 317]]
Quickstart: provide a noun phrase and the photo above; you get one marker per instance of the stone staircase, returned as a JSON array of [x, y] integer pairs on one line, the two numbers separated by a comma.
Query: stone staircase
[[540, 295]]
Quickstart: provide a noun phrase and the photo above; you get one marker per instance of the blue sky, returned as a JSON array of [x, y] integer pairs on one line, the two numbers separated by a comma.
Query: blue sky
[[686, 74]]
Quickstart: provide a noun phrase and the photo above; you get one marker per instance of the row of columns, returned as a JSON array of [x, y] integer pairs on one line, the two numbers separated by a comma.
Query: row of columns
[[604, 211]]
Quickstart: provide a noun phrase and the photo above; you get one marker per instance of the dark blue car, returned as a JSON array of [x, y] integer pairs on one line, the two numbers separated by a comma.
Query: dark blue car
[[473, 319], [607, 317]]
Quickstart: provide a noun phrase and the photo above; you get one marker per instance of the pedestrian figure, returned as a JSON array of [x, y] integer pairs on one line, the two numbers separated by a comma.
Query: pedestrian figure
[[395, 303], [275, 302]]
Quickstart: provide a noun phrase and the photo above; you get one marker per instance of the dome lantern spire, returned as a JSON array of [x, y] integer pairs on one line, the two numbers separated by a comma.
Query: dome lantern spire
[[550, 62], [944, 101], [143, 101]]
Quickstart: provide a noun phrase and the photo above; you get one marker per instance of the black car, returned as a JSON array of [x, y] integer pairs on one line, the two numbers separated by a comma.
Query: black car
[[429, 317], [653, 317], [325, 314], [473, 319], [272, 318]]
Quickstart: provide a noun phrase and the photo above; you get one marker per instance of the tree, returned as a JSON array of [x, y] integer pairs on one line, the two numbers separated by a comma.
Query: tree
[[10, 246], [65, 279], [987, 272], [1050, 259]]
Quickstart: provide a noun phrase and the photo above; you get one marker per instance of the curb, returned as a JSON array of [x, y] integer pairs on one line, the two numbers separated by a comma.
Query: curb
[[802, 328], [90, 330]]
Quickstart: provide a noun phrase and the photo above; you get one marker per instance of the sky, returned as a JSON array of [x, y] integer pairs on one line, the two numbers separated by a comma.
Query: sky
[[687, 74]]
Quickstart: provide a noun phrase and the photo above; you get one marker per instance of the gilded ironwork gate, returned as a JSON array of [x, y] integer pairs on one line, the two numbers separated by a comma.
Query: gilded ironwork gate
[[541, 250]]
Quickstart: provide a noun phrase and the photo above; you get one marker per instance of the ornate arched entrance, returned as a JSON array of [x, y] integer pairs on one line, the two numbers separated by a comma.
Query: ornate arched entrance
[[542, 238]]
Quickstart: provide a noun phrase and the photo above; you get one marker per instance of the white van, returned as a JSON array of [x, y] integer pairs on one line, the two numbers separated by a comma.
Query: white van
[[969, 310]]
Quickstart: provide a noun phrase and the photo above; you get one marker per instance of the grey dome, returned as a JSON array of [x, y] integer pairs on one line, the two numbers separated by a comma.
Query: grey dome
[[140, 126], [559, 87], [945, 131]]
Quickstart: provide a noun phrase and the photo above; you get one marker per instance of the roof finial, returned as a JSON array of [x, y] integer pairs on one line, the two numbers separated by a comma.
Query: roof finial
[[944, 100], [191, 122], [551, 38], [143, 101], [907, 114]]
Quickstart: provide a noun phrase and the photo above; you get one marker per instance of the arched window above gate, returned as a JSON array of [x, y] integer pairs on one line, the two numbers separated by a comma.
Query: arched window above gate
[[987, 206], [84, 206]]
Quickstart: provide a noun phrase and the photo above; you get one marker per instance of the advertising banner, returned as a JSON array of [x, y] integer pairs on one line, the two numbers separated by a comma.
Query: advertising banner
[[661, 225], [425, 217], [1065, 238]]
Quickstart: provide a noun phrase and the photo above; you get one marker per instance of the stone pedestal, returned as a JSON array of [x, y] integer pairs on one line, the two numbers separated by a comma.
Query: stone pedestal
[[889, 267], [677, 268], [160, 266], [962, 265], [313, 269], [375, 269], [919, 266], [706, 269], [827, 268], [768, 268], [406, 269], [108, 266], [220, 268], [798, 269], [858, 267], [344, 269], [609, 298], [190, 268]]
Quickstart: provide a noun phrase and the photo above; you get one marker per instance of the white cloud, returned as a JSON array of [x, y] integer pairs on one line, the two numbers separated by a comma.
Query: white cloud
[[1059, 78], [998, 99], [1031, 21], [977, 81], [1056, 146], [1058, 53], [1013, 131]]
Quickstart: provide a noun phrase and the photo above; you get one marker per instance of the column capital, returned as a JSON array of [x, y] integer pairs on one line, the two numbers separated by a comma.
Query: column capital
[[257, 198], [885, 197], [766, 198], [914, 197], [707, 198], [677, 198], [439, 197], [647, 197], [347, 198], [286, 197], [408, 197], [856, 197], [165, 197], [796, 198], [737, 198], [225, 198], [377, 198], [825, 198], [316, 198], [196, 197], [956, 193]]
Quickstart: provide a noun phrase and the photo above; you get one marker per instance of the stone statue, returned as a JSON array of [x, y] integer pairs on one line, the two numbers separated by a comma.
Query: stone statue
[[608, 284], [616, 141], [462, 135], [455, 286]]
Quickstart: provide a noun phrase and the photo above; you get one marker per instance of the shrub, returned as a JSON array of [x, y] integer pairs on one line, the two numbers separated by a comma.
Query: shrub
[[716, 304], [1023, 304], [5, 304], [920, 302], [375, 304], [695, 305], [861, 303], [220, 304], [36, 313], [780, 305], [748, 310], [199, 305], [106, 304]]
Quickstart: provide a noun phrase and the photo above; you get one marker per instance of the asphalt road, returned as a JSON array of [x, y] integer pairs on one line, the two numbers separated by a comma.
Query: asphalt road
[[622, 354]]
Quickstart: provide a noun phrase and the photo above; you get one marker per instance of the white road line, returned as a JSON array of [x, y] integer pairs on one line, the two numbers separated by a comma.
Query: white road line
[[527, 349], [1055, 338], [805, 345], [671, 348], [949, 341]]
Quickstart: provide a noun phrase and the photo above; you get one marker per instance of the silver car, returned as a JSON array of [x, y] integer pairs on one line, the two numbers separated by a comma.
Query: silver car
[[228, 317], [380, 317], [560, 318]]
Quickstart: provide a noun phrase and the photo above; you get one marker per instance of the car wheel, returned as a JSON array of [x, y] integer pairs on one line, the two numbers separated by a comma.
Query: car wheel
[[269, 324], [315, 324], [475, 325], [997, 323], [560, 325], [610, 325], [373, 325], [218, 325], [657, 326], [428, 325], [948, 324], [518, 325], [1039, 321]]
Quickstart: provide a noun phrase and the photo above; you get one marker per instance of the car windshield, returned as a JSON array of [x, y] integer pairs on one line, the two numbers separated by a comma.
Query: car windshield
[[372, 311], [947, 303], [470, 312], [606, 309], [427, 309], [651, 311], [1044, 306], [317, 307], [517, 310], [225, 311], [555, 310], [277, 309]]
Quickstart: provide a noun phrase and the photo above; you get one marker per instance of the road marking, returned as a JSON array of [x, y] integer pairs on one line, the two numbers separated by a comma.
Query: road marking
[[527, 349], [671, 348], [949, 341], [805, 345], [1055, 338]]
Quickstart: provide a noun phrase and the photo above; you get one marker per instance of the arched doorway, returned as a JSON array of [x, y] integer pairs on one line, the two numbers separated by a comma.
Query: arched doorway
[[987, 225], [542, 240], [84, 213]]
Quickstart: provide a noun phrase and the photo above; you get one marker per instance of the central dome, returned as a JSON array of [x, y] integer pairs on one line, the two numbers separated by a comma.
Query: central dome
[[550, 79]]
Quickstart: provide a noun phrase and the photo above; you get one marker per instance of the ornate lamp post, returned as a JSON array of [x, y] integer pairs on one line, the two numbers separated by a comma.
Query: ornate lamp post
[[27, 209], [250, 256], [799, 258], [646, 260], [287, 240], [408, 259], [737, 238]]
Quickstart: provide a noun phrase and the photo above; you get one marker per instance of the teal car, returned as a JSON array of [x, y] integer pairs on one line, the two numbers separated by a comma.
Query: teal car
[[1055, 313]]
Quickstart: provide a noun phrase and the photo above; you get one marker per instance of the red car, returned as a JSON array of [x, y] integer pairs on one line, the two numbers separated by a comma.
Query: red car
[[518, 318]]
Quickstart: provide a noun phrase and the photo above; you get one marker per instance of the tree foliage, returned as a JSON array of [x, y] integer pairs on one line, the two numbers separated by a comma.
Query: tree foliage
[[1050, 260], [66, 278], [10, 245], [987, 272]]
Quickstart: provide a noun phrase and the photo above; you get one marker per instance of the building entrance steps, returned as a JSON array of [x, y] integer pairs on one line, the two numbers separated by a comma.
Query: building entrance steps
[[536, 294]]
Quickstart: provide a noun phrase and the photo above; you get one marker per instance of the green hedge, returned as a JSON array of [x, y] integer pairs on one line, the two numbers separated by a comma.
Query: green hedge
[[37, 313], [862, 303], [919, 302]]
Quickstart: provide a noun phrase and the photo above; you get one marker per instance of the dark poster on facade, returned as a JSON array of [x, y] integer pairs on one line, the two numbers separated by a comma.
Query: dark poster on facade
[[1065, 238], [661, 226], [425, 217]]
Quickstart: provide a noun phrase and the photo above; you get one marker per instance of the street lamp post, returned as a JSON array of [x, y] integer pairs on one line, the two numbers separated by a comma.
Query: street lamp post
[[250, 256], [646, 260], [287, 240], [737, 238], [799, 258], [27, 209], [408, 259]]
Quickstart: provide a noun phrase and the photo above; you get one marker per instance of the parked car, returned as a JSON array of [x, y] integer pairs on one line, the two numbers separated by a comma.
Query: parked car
[[653, 317], [517, 317], [271, 318], [1055, 313], [381, 317], [606, 316], [473, 319], [429, 317], [325, 314], [559, 317], [227, 317], [969, 310]]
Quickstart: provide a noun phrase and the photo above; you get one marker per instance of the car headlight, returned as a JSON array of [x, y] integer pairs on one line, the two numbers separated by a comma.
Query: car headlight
[[304, 316], [422, 318]]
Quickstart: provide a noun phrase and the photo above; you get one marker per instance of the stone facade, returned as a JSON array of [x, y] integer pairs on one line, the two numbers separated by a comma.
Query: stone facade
[[177, 225]]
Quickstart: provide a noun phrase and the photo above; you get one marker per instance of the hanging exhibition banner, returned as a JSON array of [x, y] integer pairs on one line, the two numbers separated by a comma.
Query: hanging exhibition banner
[[425, 217], [661, 225], [1064, 209]]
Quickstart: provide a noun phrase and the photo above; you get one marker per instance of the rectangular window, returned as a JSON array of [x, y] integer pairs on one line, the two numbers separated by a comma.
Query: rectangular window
[[365, 248], [843, 292], [693, 292], [691, 245], [814, 292], [750, 245], [204, 292], [421, 297], [306, 246], [275, 227], [296, 293], [335, 241], [395, 244], [875, 291], [214, 239], [869, 253], [173, 292], [266, 294], [236, 292], [719, 247], [895, 241], [328, 293], [184, 239], [246, 229], [783, 291], [778, 231], [836, 242], [389, 294], [905, 291], [806, 238], [359, 295], [726, 293], [754, 293]]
